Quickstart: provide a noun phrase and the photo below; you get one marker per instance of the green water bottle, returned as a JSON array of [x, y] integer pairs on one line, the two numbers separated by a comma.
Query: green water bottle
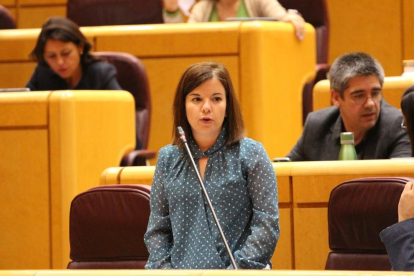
[[347, 151]]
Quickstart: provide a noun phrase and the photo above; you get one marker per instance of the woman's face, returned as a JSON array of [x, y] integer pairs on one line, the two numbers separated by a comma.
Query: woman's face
[[64, 59], [205, 107]]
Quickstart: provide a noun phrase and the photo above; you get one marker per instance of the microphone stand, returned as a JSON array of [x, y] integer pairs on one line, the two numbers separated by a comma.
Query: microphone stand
[[203, 188]]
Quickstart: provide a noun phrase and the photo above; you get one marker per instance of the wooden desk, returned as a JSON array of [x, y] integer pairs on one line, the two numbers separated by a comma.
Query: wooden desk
[[267, 63], [54, 145], [304, 189], [177, 272]]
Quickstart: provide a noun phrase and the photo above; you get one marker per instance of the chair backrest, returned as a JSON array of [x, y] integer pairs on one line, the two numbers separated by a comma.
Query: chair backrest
[[114, 12], [132, 77], [358, 210], [6, 19], [107, 227], [314, 12]]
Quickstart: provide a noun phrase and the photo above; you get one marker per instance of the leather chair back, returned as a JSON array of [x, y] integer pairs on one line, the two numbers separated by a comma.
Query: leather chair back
[[358, 210], [114, 12], [107, 227], [132, 77], [6, 19]]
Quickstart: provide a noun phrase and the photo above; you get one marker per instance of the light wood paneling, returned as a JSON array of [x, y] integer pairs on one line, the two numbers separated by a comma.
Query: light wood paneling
[[282, 258], [311, 238], [8, 3], [25, 198], [34, 17], [368, 26], [408, 27], [15, 75]]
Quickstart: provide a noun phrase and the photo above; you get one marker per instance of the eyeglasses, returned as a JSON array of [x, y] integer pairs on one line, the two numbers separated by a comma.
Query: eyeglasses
[[361, 99], [404, 125]]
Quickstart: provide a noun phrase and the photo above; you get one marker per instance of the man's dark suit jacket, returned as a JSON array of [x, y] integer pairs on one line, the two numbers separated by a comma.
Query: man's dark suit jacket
[[320, 139], [399, 242]]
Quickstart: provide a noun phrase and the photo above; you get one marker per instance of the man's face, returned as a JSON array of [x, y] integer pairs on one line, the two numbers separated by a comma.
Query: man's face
[[360, 105]]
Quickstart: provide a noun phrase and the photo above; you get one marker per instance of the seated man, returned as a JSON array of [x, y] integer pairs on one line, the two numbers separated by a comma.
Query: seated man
[[356, 81]]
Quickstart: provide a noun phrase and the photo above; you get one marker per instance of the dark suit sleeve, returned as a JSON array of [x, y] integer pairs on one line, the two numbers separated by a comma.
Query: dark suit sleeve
[[399, 242], [298, 153], [396, 137], [33, 84], [110, 81]]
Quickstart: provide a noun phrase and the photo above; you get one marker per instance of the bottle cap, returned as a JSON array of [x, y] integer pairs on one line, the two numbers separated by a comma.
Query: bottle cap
[[347, 138]]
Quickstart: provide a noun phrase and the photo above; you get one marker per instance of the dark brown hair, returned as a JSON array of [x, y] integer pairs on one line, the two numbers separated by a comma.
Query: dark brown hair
[[62, 29], [407, 108], [192, 78]]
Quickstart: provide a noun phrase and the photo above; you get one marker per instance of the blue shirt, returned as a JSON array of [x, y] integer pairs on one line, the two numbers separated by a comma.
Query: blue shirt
[[241, 183]]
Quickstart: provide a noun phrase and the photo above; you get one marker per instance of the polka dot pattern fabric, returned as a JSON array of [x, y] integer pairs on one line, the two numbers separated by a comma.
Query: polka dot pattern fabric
[[241, 184]]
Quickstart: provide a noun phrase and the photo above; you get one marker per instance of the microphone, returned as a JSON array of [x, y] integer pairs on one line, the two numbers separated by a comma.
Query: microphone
[[203, 188]]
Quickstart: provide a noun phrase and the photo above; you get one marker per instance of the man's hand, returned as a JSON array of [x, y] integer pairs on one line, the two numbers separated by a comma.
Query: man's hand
[[406, 204]]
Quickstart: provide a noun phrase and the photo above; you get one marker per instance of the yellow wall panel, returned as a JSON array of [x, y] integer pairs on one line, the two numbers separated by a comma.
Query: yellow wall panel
[[170, 40], [360, 26], [24, 204], [282, 258], [18, 111], [8, 2], [311, 238], [16, 74], [34, 17]]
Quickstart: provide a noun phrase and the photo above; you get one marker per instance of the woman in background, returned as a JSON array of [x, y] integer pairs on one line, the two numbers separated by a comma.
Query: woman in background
[[237, 173], [220, 10], [64, 60]]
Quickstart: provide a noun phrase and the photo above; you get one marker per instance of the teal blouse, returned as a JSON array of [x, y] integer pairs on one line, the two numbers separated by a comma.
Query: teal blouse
[[241, 184]]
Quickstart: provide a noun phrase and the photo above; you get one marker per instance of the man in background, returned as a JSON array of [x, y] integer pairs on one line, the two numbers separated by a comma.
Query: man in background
[[356, 81]]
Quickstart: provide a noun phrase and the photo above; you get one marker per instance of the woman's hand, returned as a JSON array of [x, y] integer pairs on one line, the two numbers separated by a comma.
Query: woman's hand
[[298, 23], [170, 6], [406, 204]]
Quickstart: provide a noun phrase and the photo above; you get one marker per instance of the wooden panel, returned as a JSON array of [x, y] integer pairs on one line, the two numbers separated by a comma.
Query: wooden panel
[[274, 68], [16, 74], [283, 171], [408, 26], [23, 109], [368, 18], [282, 258], [8, 3], [313, 181], [21, 41], [24, 204], [163, 75], [89, 132], [311, 238], [34, 17], [169, 40]]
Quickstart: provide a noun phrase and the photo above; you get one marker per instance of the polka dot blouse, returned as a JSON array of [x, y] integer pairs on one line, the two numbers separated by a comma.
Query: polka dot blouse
[[241, 184]]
